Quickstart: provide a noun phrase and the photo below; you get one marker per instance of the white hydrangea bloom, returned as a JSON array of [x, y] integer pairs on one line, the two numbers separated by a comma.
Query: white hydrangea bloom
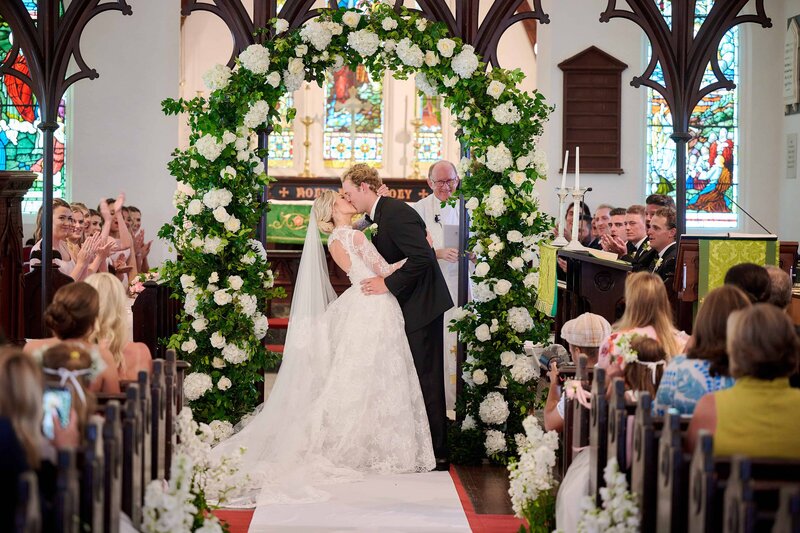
[[524, 369], [316, 33], [465, 62], [468, 423], [212, 245], [255, 58], [410, 53], [424, 85], [494, 409], [498, 158], [389, 24], [208, 147], [217, 77], [520, 320], [234, 355], [495, 442], [196, 385], [260, 326], [222, 429], [257, 114], [364, 42], [482, 292], [506, 114], [531, 280]]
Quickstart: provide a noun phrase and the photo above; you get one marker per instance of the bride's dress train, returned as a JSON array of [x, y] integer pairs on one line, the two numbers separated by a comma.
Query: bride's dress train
[[346, 401]]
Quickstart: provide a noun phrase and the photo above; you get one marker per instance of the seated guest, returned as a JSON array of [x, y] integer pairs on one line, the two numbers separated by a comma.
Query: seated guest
[[704, 368], [124, 259], [601, 225], [585, 230], [113, 327], [752, 279], [142, 248], [568, 219], [95, 222], [654, 202], [584, 335], [758, 416], [646, 304], [643, 368], [780, 287], [616, 240], [661, 233], [639, 251], [76, 266], [69, 365], [71, 316], [22, 445]]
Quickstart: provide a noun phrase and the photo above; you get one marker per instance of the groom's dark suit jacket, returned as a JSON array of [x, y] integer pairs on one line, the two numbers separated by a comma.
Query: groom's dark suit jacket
[[419, 285]]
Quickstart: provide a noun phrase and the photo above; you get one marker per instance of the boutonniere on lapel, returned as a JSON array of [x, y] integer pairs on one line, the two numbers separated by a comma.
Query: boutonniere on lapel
[[437, 218], [646, 246], [658, 264], [373, 229]]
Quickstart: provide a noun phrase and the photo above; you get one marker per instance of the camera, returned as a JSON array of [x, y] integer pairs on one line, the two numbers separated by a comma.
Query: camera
[[553, 353]]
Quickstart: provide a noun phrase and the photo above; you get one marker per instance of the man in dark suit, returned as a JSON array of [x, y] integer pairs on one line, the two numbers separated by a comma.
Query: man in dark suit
[[601, 223], [418, 286], [639, 250], [662, 234]]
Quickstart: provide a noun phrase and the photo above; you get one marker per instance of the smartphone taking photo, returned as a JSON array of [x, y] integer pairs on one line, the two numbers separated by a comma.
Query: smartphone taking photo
[[58, 400]]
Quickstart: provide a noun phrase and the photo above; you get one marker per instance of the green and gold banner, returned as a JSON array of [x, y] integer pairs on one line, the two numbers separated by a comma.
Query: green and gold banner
[[547, 299], [287, 222], [717, 256]]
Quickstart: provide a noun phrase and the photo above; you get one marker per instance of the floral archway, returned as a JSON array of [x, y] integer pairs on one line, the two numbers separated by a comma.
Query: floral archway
[[223, 274]]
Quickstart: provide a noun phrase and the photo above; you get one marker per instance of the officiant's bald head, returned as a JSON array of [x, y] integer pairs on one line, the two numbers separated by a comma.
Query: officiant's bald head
[[443, 179]]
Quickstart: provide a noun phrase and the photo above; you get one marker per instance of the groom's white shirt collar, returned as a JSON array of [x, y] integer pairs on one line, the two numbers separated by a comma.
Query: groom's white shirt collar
[[374, 207]]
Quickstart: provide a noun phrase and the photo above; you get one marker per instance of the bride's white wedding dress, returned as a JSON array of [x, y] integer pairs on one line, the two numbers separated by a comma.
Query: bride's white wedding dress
[[347, 399]]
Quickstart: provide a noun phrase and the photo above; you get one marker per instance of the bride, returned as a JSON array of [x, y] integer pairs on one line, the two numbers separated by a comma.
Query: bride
[[347, 399]]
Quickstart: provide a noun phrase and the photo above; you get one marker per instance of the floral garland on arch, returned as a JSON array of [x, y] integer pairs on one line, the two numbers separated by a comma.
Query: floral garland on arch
[[222, 275]]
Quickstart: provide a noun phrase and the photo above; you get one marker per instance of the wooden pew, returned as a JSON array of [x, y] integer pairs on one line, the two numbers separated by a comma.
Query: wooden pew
[[171, 407], [576, 417], [112, 448], [598, 434], [28, 517], [618, 412], [787, 519], [132, 445], [155, 316], [93, 476], [147, 428], [67, 504], [752, 504], [158, 419], [673, 477], [710, 477]]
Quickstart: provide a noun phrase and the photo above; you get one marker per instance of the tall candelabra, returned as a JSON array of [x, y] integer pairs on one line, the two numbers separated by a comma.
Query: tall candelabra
[[562, 193], [307, 122], [577, 211], [415, 173]]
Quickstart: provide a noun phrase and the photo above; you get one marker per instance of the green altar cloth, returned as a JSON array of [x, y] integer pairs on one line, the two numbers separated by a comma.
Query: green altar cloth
[[717, 256], [287, 222], [547, 298]]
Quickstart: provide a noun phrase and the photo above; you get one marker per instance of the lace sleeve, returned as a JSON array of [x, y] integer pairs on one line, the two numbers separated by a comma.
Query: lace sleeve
[[375, 261]]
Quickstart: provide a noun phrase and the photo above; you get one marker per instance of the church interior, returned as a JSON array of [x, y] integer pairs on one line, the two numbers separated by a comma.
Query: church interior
[[633, 398]]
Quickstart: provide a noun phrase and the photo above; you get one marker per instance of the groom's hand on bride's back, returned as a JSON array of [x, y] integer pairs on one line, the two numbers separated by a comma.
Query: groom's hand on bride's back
[[374, 285]]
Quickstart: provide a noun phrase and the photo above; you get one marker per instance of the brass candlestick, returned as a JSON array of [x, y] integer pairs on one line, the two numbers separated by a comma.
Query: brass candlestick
[[307, 122], [415, 173]]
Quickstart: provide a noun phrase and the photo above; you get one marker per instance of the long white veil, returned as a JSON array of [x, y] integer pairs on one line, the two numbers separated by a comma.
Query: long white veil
[[278, 436]]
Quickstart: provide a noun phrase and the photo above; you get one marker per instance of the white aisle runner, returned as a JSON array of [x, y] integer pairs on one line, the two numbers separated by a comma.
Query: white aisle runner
[[413, 503]]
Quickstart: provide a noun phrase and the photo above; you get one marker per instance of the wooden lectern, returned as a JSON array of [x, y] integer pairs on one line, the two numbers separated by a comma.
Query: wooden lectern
[[687, 276], [13, 186], [592, 285]]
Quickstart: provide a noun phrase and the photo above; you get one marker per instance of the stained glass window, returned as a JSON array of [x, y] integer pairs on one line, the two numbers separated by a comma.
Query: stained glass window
[[712, 177], [281, 145], [21, 141], [349, 95], [429, 112]]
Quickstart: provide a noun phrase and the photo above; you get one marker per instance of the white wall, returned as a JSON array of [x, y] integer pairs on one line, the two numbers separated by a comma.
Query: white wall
[[788, 190], [120, 139]]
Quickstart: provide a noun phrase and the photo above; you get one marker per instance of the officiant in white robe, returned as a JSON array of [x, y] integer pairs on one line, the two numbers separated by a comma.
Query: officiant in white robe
[[442, 223]]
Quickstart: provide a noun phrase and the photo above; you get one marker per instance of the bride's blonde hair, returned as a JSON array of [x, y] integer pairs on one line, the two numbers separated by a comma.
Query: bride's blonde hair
[[111, 325], [323, 210]]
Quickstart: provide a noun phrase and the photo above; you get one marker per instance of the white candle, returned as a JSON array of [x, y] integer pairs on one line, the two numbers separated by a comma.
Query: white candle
[[564, 170], [577, 167]]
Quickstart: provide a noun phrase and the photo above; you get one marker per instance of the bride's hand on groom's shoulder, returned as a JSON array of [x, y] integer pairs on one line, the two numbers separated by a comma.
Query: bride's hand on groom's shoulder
[[374, 285], [383, 190]]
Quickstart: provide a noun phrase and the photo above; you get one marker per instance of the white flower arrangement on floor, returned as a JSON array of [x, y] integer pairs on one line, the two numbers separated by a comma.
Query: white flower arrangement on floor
[[533, 486], [182, 504], [619, 512]]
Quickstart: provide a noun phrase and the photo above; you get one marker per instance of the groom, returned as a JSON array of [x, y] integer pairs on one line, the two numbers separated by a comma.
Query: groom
[[418, 286]]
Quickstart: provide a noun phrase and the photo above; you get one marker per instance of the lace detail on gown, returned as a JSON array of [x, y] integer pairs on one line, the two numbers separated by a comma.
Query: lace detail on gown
[[347, 399]]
